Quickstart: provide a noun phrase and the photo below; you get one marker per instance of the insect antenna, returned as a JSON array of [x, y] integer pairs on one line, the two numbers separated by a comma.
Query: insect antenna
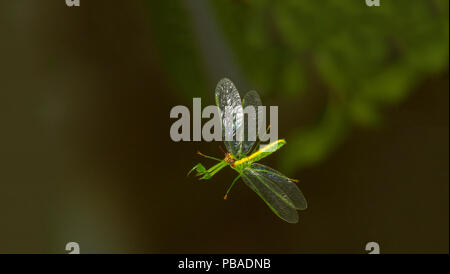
[[220, 147]]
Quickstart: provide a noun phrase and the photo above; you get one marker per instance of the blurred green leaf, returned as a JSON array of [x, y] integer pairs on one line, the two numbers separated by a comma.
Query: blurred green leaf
[[175, 40], [364, 58]]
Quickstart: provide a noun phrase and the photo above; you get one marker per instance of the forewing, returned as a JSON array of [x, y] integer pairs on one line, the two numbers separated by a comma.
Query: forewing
[[250, 99], [287, 185], [273, 195], [231, 113]]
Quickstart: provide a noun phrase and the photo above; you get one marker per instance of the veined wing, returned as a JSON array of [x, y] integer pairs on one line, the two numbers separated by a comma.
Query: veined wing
[[286, 184], [274, 196], [250, 99], [230, 105]]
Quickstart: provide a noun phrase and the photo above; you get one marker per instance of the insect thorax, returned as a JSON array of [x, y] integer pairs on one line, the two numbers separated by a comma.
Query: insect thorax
[[229, 158]]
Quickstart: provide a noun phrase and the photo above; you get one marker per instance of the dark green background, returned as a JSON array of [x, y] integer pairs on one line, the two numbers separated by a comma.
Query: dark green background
[[86, 156]]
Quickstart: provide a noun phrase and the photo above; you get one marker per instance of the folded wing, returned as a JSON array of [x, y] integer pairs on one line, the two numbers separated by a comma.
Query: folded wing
[[286, 184], [274, 196]]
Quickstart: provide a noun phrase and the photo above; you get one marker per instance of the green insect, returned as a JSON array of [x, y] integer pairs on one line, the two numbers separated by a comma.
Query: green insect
[[279, 192]]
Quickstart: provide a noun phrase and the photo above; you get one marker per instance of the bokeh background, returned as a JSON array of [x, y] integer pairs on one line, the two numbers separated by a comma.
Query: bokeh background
[[86, 156]]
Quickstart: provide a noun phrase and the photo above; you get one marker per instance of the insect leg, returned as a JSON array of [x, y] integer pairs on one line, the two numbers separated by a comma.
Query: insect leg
[[209, 157], [199, 168], [231, 186]]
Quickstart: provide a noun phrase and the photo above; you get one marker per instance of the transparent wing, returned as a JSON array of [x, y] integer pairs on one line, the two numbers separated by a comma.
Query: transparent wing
[[230, 105], [277, 200], [286, 184], [250, 99]]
